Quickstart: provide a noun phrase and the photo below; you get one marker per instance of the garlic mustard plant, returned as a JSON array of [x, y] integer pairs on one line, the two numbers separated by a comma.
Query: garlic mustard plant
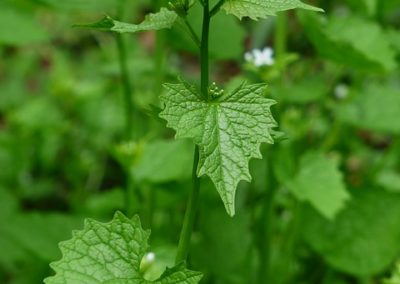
[[227, 128]]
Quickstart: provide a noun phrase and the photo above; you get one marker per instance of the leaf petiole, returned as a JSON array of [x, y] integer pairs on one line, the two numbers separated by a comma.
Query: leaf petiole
[[216, 8], [191, 31]]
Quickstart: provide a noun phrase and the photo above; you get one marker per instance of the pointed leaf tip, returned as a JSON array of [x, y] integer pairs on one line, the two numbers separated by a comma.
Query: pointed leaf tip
[[228, 131]]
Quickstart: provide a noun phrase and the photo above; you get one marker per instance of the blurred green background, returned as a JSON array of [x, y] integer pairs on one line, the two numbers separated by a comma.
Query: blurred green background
[[324, 203]]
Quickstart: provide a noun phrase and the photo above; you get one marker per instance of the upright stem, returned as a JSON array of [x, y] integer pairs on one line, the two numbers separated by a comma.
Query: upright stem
[[281, 31], [127, 87], [204, 50], [190, 214], [159, 58], [267, 226], [280, 35], [129, 108]]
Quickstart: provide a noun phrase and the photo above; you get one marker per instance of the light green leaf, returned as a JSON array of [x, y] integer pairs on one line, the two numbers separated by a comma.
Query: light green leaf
[[364, 238], [164, 19], [395, 279], [376, 107], [255, 9], [228, 131], [111, 253], [351, 41], [320, 182]]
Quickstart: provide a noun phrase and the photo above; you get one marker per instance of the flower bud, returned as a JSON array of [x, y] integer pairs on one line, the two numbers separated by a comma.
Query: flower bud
[[181, 7], [215, 91]]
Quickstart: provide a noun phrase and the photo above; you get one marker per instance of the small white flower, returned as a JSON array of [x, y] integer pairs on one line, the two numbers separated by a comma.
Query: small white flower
[[341, 91], [260, 57]]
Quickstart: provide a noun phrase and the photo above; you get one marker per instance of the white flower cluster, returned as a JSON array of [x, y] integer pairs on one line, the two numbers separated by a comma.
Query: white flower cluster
[[260, 57]]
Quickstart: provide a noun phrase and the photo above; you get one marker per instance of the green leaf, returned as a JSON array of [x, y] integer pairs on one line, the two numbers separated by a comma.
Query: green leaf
[[111, 253], [364, 238], [395, 279], [320, 182], [164, 19], [255, 9], [365, 110], [351, 41], [228, 131]]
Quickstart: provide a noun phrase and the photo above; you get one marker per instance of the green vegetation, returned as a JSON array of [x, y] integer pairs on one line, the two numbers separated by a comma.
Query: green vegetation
[[257, 140]]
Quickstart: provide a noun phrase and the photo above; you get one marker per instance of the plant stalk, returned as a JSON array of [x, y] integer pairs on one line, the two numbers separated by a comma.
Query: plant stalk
[[266, 224], [126, 86], [190, 214], [127, 89], [204, 50], [280, 42]]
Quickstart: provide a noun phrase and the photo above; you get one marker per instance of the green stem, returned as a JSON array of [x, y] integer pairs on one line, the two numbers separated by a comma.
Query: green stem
[[190, 214], [204, 50], [380, 17], [131, 190], [266, 227], [281, 33], [127, 87], [291, 238]]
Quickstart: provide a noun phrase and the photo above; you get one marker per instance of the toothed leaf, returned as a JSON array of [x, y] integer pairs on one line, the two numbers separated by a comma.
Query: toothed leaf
[[164, 19], [228, 131], [255, 9], [111, 253]]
